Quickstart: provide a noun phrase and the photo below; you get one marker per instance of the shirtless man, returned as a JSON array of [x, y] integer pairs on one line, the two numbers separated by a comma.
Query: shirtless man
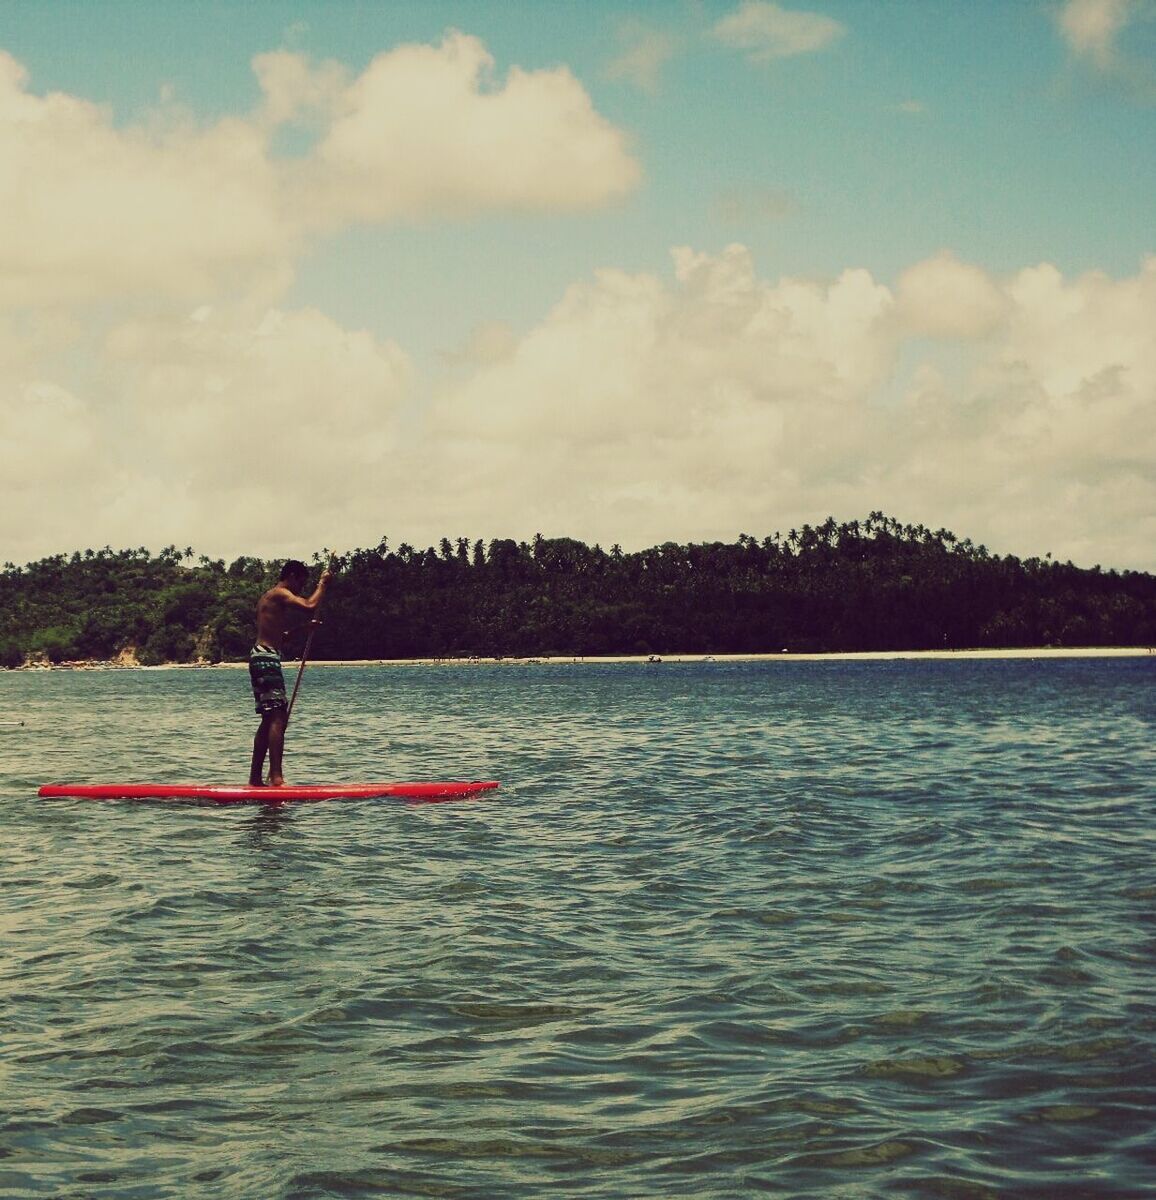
[[276, 608]]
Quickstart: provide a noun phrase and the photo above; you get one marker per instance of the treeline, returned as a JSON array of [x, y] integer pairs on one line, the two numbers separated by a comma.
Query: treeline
[[860, 585], [96, 604]]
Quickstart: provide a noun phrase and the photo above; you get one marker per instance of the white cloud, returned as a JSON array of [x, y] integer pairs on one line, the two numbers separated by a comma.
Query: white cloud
[[228, 430], [641, 409], [44, 430], [296, 89], [156, 386], [424, 130], [766, 31], [246, 426], [93, 210], [1091, 27], [648, 408], [285, 414], [54, 473], [1096, 30], [942, 297], [1088, 339], [1019, 411], [645, 53], [90, 211], [489, 342], [754, 202]]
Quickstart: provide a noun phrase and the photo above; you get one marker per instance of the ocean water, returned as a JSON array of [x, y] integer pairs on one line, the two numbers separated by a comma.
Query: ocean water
[[799, 929]]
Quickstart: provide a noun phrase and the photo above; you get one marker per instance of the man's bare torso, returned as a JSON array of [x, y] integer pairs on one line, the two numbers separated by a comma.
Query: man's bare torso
[[275, 612]]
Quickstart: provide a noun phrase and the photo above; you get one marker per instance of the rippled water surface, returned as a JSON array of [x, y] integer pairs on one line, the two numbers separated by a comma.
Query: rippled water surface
[[830, 929]]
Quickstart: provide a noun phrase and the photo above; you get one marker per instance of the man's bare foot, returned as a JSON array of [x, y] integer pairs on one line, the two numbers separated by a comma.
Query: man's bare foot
[[276, 781]]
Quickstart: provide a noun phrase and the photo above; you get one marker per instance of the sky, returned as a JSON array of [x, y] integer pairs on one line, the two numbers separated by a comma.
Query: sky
[[281, 276]]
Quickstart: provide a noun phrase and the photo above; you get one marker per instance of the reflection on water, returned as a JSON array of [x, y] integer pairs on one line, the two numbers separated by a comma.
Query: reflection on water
[[812, 929], [265, 822]]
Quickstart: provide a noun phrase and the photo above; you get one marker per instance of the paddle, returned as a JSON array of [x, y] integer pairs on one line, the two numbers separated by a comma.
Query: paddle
[[305, 653]]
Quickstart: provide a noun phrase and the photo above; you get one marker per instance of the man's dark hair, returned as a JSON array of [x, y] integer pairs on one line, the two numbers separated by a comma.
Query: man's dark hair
[[293, 569]]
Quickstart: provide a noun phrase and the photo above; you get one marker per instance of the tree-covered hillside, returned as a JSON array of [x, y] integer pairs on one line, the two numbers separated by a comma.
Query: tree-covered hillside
[[95, 604], [862, 585]]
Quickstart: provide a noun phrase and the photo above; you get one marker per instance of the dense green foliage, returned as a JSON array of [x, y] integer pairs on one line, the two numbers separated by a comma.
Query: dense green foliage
[[871, 585], [95, 604]]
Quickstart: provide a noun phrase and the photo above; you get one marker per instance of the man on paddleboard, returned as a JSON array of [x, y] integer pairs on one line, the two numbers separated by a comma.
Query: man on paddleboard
[[275, 612]]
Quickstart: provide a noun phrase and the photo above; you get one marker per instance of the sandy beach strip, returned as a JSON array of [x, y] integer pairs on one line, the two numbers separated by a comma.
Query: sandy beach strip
[[782, 656], [1041, 652]]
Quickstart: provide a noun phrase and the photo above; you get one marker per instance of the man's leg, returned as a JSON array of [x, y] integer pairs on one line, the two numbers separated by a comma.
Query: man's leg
[[260, 746], [278, 719]]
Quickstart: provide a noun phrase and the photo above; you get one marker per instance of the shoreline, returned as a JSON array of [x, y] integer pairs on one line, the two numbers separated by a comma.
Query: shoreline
[[1040, 652], [782, 656]]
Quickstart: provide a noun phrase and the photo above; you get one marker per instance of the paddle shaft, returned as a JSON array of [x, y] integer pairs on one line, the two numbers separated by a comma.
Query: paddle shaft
[[300, 672], [304, 660]]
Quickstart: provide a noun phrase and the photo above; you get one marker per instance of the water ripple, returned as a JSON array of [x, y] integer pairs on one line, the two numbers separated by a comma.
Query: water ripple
[[812, 929]]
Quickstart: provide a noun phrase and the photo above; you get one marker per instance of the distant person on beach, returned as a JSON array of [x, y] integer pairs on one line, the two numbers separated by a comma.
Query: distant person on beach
[[275, 610]]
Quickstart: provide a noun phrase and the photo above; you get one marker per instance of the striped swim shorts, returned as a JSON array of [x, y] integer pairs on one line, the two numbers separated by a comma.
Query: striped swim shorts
[[267, 680]]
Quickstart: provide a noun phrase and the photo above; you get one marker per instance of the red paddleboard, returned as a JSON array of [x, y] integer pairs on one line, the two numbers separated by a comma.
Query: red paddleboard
[[229, 794]]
